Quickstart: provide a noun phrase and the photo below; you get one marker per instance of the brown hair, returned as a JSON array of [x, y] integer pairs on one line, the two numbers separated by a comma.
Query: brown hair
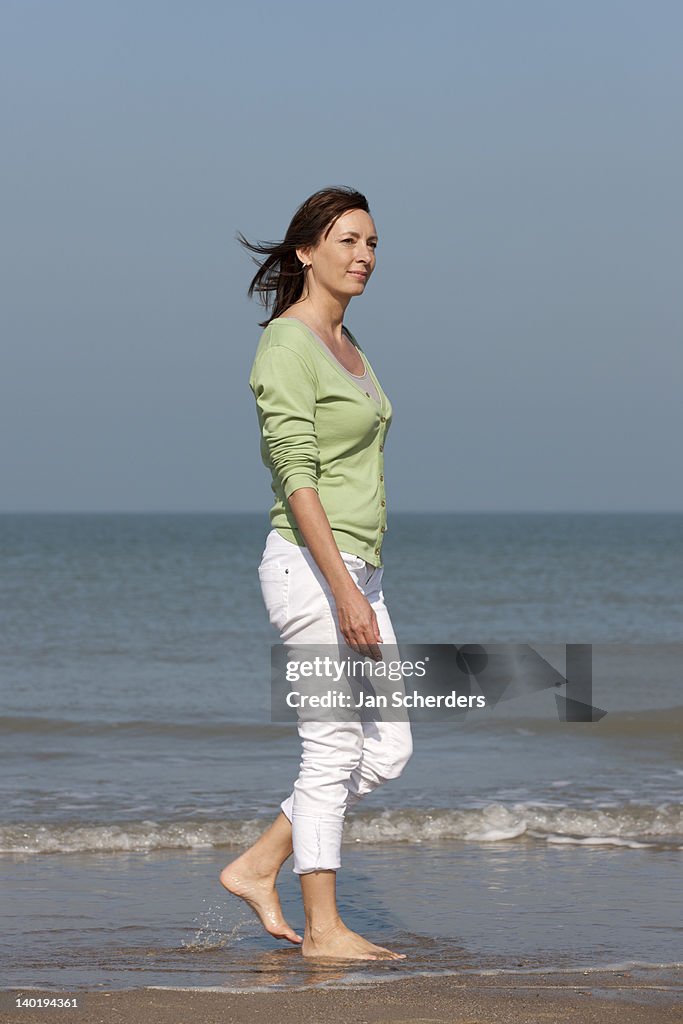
[[280, 277]]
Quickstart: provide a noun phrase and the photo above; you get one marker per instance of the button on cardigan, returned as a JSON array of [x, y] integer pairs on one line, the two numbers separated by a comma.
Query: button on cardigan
[[320, 429]]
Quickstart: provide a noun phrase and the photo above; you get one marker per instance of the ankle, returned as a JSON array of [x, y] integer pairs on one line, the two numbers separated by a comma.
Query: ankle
[[262, 865], [322, 927]]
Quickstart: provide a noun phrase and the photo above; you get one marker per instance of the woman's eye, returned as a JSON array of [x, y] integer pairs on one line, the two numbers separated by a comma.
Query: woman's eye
[[351, 241]]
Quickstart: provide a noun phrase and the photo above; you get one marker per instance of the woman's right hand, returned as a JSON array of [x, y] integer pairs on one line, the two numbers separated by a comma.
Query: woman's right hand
[[358, 622]]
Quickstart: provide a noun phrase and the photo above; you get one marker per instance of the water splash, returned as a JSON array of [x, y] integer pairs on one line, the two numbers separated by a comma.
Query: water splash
[[212, 933]]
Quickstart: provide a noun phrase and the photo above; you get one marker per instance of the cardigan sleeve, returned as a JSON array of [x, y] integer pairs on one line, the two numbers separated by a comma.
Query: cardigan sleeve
[[285, 392]]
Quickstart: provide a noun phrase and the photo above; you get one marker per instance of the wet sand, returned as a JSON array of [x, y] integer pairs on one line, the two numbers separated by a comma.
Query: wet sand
[[645, 997]]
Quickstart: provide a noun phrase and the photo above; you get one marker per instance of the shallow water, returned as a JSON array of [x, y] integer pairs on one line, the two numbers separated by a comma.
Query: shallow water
[[138, 756], [126, 920]]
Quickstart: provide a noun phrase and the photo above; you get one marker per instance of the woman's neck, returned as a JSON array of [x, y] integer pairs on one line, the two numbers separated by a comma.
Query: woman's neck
[[324, 317]]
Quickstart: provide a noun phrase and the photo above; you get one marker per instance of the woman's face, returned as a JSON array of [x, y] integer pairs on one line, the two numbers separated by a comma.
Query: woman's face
[[343, 262]]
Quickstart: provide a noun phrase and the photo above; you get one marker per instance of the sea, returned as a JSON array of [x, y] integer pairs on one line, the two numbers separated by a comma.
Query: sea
[[138, 755]]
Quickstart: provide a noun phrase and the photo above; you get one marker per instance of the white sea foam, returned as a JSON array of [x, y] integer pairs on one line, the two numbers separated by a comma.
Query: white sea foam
[[369, 979], [626, 825], [597, 841]]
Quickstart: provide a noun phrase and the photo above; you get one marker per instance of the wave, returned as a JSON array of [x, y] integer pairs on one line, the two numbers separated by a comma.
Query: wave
[[629, 825], [12, 724], [659, 722]]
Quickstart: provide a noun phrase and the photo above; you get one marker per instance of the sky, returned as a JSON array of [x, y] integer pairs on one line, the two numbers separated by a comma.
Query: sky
[[522, 161]]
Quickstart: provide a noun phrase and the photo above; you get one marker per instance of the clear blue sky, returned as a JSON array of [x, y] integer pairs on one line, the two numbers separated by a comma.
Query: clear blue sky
[[522, 161]]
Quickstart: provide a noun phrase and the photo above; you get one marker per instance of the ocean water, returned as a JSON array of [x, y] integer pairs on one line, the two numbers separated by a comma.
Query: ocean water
[[138, 755]]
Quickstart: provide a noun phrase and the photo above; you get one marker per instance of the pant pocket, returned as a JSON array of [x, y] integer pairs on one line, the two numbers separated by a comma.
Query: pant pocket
[[274, 580], [358, 568], [353, 561]]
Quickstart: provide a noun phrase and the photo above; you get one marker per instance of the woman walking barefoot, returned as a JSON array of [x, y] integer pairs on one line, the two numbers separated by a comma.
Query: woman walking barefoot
[[323, 418]]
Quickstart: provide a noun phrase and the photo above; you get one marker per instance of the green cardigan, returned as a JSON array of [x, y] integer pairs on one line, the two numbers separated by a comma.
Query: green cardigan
[[320, 429]]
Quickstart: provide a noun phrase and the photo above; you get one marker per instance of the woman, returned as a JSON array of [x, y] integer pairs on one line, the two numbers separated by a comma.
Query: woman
[[323, 418]]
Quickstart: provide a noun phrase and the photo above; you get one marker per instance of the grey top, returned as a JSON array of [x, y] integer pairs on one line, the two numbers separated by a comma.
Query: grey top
[[363, 380]]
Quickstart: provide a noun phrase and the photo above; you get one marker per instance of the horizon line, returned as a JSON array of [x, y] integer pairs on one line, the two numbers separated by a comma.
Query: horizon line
[[395, 512]]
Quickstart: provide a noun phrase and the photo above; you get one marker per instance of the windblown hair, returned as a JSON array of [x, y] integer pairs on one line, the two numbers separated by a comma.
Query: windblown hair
[[280, 278]]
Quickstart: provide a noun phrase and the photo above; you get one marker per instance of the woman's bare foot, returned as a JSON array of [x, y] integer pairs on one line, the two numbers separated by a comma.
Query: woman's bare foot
[[243, 878], [340, 943]]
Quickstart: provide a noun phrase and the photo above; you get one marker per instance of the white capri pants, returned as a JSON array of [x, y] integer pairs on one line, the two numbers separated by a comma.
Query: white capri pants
[[341, 761]]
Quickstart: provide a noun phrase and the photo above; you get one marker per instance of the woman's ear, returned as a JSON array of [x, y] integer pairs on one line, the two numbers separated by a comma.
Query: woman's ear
[[304, 255]]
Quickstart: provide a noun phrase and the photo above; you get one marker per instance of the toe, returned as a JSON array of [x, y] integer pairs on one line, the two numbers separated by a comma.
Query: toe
[[391, 955]]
